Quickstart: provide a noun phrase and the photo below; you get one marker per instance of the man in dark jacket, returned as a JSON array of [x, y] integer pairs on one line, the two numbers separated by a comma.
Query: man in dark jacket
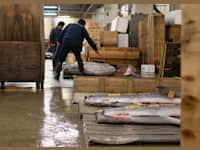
[[53, 39], [71, 39]]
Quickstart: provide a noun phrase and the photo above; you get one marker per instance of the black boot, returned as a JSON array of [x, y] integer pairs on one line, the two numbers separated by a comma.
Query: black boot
[[82, 73], [58, 70]]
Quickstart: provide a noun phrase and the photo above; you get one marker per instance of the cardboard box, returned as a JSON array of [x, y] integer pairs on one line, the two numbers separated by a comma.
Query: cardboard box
[[109, 38]]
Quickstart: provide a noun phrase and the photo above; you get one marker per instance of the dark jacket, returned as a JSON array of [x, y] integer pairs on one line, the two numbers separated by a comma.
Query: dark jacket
[[54, 35], [75, 34]]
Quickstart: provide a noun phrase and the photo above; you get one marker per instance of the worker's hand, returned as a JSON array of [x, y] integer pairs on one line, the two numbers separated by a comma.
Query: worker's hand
[[58, 44]]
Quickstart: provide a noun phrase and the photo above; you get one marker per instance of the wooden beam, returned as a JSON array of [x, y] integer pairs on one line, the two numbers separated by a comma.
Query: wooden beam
[[191, 77]]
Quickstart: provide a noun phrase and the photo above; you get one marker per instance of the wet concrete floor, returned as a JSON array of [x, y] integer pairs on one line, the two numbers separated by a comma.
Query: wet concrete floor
[[40, 118]]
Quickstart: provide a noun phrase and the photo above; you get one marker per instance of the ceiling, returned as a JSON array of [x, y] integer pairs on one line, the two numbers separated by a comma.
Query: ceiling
[[78, 10]]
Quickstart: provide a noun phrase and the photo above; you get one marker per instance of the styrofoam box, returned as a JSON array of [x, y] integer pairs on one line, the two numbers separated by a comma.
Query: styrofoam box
[[147, 68], [119, 24], [148, 75], [123, 40], [174, 17]]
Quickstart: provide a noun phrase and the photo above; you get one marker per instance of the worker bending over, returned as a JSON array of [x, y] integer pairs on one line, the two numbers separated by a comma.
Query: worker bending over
[[72, 39]]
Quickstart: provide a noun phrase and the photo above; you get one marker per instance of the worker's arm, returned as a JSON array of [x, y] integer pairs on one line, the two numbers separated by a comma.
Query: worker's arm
[[51, 36], [89, 40]]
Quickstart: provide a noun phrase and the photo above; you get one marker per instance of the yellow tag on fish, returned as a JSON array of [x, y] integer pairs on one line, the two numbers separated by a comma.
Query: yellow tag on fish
[[171, 94], [135, 106], [114, 94]]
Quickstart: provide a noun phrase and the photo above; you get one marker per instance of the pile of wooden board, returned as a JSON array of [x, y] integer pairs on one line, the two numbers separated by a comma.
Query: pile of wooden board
[[152, 39], [115, 56]]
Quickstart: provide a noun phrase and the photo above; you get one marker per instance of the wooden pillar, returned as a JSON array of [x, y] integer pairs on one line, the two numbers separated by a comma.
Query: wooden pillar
[[190, 117]]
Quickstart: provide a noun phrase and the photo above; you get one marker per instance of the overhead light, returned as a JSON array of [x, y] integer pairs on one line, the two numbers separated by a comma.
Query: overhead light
[[50, 7], [50, 14], [64, 17]]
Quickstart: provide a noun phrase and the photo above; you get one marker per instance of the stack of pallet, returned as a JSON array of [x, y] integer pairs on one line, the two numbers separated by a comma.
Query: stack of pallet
[[152, 39], [94, 30], [116, 56], [111, 53]]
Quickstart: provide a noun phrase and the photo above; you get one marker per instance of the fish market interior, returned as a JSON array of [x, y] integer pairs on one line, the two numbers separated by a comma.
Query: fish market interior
[[90, 75]]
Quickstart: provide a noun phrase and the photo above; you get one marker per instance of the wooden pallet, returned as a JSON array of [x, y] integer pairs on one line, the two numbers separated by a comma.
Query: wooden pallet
[[110, 134]]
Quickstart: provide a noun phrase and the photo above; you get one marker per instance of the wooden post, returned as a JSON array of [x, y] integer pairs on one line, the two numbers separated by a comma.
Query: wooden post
[[191, 77]]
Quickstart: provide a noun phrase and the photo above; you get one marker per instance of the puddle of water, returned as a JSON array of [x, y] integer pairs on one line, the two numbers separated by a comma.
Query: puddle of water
[[58, 129]]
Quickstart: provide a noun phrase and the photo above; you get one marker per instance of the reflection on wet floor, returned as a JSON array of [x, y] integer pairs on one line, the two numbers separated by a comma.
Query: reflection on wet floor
[[58, 130], [39, 118]]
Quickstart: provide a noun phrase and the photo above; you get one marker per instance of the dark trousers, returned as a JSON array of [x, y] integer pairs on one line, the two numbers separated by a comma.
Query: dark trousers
[[62, 53], [54, 62]]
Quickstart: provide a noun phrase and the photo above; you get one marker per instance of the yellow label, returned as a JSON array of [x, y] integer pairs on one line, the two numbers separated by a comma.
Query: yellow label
[[171, 94], [100, 110], [114, 94], [135, 106]]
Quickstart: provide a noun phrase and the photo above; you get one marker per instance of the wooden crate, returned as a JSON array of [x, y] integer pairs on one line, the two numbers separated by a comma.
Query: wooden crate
[[115, 84], [109, 38], [173, 83], [115, 53], [119, 63], [143, 85], [21, 38], [89, 84]]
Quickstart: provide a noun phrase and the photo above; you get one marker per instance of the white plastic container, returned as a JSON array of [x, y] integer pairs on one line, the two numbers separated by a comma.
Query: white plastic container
[[123, 40], [148, 70], [174, 17]]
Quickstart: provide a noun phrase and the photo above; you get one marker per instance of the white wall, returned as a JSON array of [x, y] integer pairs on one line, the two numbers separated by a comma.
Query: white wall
[[51, 22], [142, 8]]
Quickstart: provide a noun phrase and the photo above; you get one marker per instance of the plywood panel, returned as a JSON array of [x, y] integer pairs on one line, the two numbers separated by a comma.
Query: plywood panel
[[152, 38], [115, 53], [20, 61], [20, 22]]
